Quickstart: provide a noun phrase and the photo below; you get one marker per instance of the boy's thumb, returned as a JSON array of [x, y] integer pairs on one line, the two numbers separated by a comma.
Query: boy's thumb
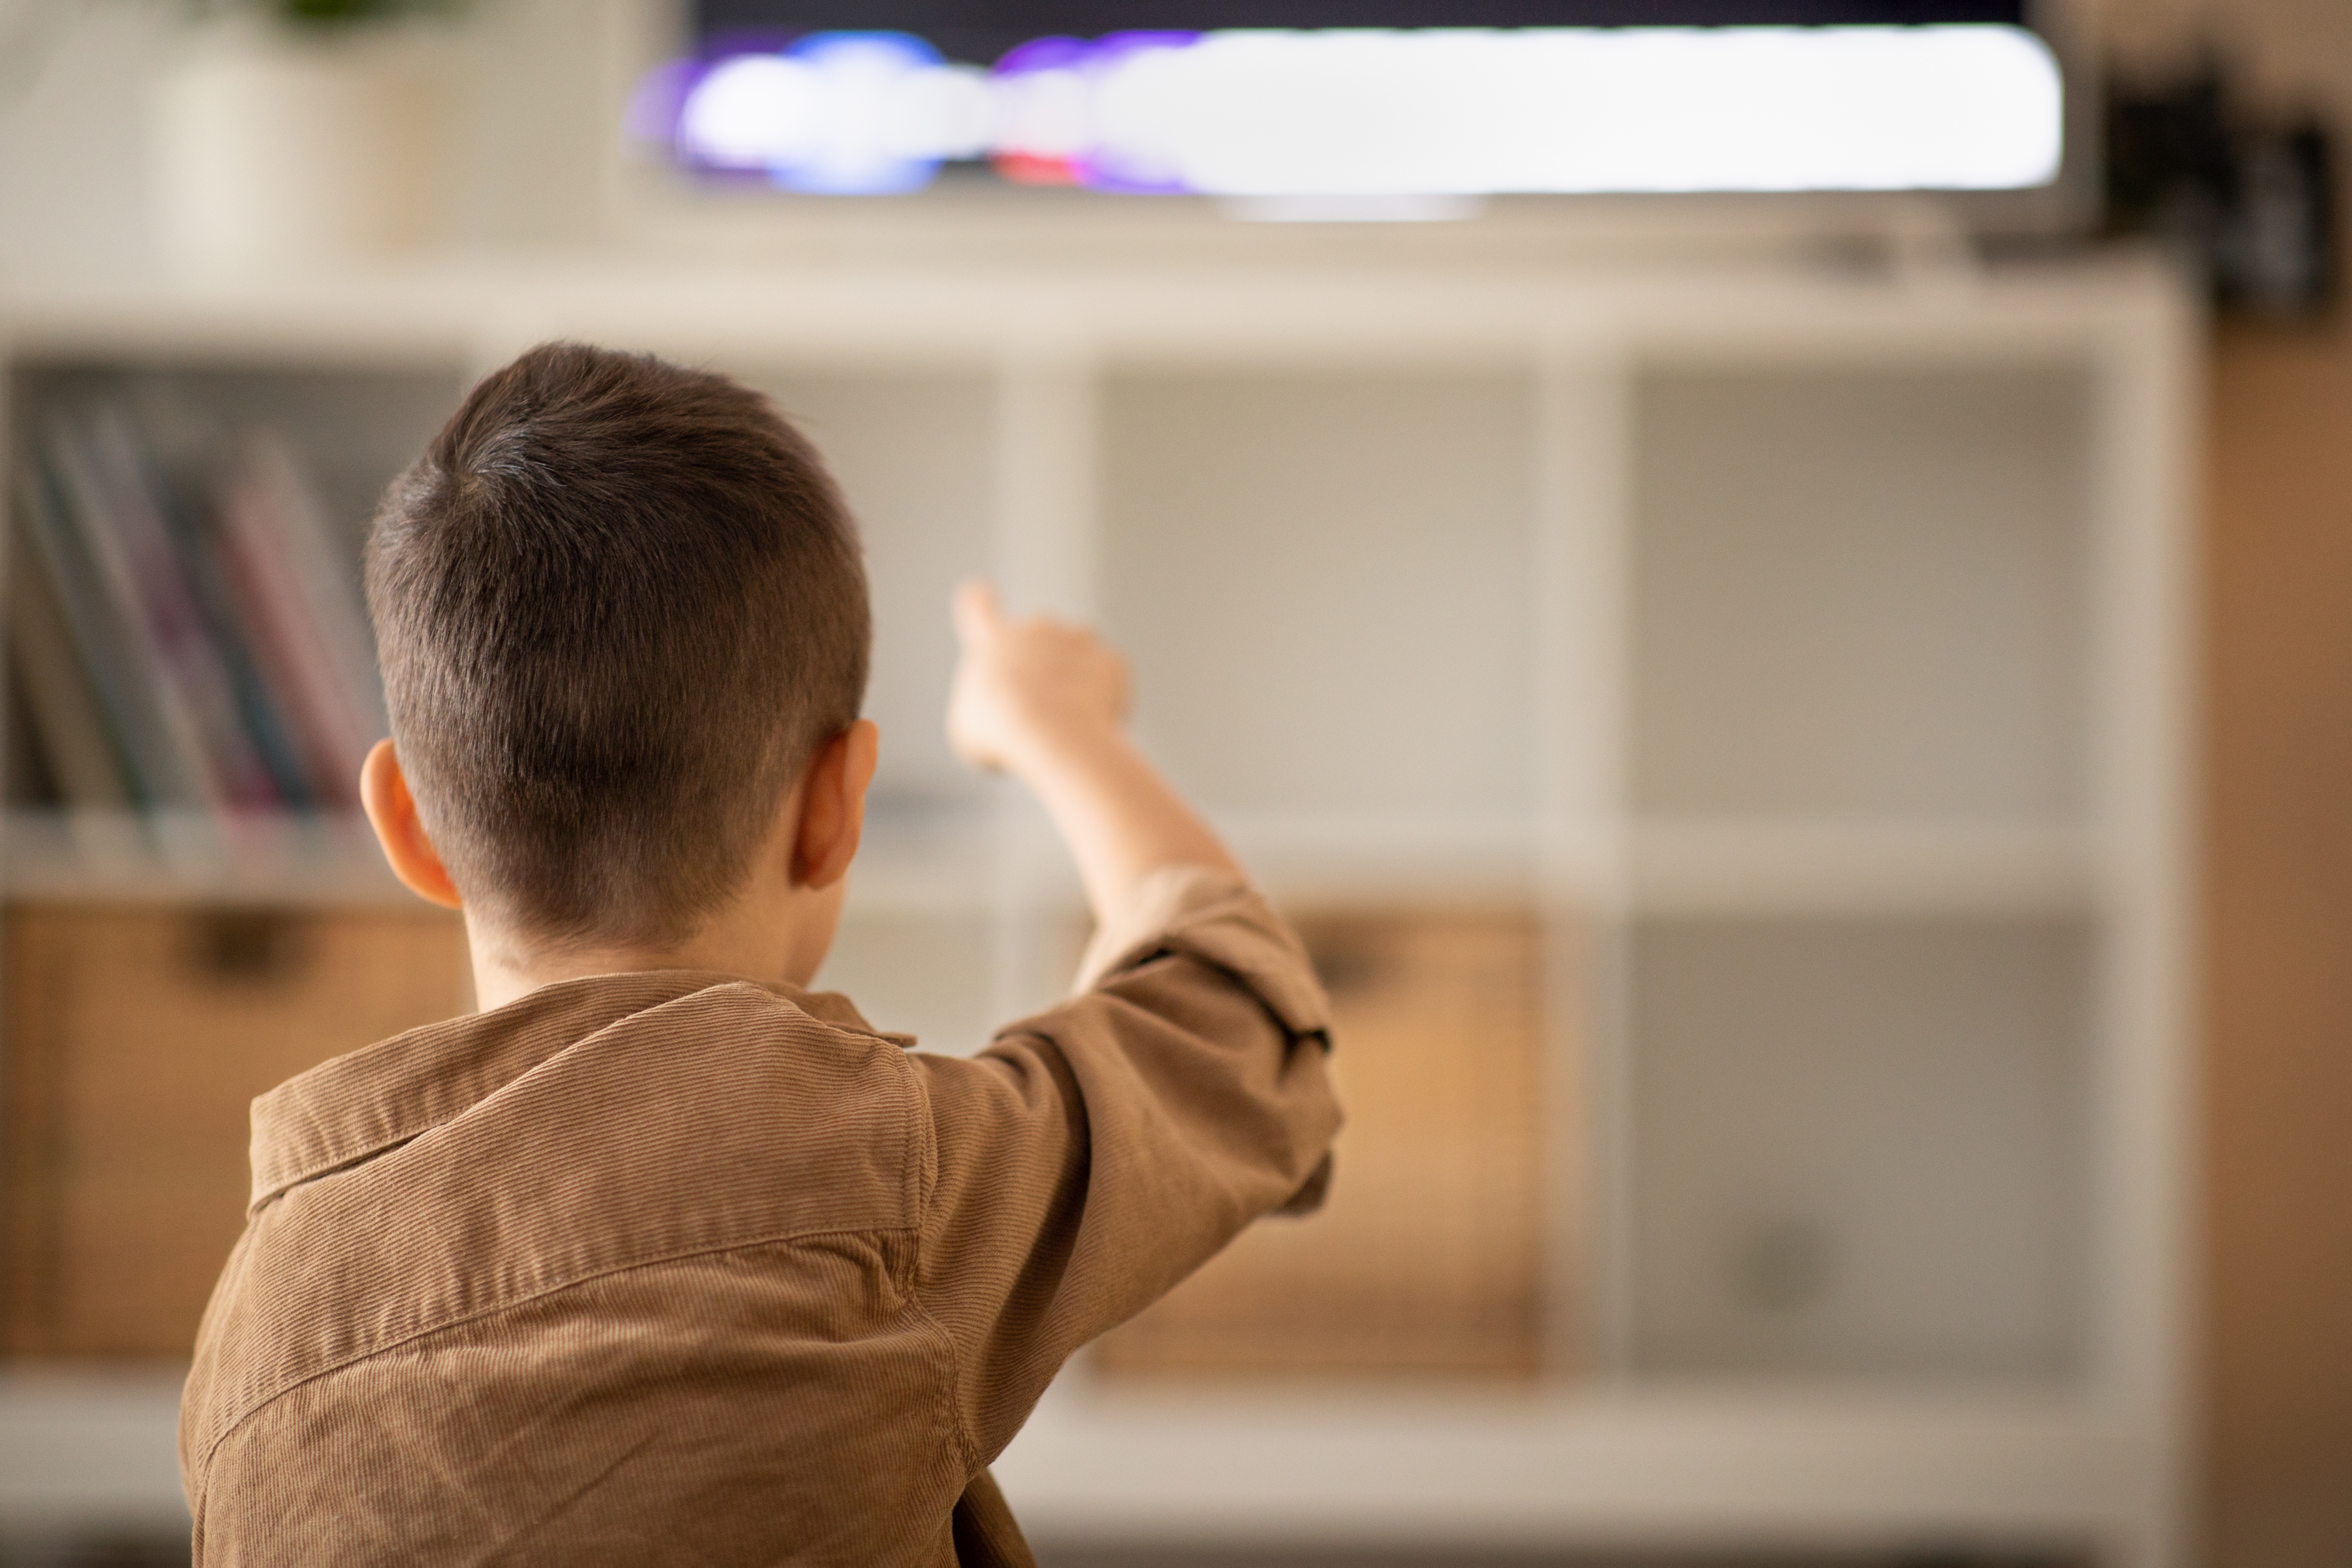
[[977, 611]]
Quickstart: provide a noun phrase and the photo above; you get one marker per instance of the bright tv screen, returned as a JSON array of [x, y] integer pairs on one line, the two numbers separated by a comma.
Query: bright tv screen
[[1366, 98]]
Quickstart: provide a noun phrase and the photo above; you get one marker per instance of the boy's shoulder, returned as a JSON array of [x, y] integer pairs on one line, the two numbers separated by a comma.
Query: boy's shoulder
[[617, 1079], [595, 1126], [672, 1216], [682, 1042]]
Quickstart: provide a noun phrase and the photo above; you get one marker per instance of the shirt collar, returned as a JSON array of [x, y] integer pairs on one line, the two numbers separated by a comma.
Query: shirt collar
[[344, 1111]]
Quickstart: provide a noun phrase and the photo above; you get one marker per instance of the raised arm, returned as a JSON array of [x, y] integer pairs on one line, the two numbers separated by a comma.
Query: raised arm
[[1045, 701], [1098, 1152]]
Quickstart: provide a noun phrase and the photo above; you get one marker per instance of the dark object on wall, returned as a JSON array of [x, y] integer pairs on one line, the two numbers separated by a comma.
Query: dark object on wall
[[2249, 199], [328, 14], [982, 30]]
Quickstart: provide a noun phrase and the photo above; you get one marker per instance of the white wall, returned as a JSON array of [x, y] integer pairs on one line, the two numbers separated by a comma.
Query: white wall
[[73, 142], [535, 120]]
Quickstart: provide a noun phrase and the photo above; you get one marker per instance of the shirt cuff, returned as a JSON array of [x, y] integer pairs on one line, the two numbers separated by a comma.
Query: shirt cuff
[[1212, 915]]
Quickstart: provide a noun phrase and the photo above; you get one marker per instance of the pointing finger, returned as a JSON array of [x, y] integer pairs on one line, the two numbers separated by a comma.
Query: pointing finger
[[978, 612]]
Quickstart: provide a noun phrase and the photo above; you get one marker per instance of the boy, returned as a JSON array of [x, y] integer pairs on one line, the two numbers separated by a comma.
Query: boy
[[660, 1257]]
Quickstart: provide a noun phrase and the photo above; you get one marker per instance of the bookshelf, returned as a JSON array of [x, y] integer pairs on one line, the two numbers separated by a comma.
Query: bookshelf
[[1785, 670]]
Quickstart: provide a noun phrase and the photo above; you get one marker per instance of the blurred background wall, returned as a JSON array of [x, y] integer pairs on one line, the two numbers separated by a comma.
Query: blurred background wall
[[2278, 1066]]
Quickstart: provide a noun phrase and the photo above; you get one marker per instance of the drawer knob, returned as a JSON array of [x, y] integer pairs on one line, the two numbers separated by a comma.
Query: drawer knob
[[248, 947]]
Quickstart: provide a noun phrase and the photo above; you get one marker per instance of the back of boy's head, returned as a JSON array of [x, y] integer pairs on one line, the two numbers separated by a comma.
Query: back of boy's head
[[619, 605]]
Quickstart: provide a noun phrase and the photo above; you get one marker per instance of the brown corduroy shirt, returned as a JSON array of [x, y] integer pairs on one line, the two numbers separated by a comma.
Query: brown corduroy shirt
[[675, 1267]]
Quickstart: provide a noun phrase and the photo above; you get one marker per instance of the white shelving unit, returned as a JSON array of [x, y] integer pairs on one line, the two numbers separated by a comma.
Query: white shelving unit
[[1812, 650]]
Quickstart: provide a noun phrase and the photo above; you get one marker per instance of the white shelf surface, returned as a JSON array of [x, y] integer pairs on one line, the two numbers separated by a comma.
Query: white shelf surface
[[1608, 1466], [951, 859], [321, 859], [1652, 1466], [482, 312], [1331, 857], [913, 860], [960, 859], [90, 1450], [1709, 866]]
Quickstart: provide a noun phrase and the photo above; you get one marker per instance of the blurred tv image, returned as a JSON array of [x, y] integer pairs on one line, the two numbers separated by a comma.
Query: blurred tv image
[[873, 97]]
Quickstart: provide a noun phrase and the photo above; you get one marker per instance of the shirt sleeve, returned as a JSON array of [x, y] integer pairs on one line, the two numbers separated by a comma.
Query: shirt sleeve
[[1096, 1153]]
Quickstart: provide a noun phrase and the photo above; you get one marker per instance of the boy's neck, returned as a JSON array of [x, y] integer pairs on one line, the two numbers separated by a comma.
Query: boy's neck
[[777, 926], [767, 935]]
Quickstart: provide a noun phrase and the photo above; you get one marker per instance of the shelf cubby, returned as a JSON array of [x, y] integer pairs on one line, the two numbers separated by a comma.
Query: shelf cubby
[[233, 671], [1442, 1067], [1861, 592], [137, 1034], [1860, 1146], [1322, 577]]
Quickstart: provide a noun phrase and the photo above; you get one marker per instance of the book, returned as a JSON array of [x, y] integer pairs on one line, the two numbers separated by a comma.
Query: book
[[59, 706], [329, 572], [155, 768], [301, 623], [191, 513], [192, 672], [189, 630], [124, 573]]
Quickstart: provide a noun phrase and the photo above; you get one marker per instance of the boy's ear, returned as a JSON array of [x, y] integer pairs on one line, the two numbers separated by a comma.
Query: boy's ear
[[833, 806], [392, 812]]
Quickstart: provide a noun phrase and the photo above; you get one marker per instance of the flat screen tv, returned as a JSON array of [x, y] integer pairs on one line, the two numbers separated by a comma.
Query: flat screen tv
[[1370, 99]]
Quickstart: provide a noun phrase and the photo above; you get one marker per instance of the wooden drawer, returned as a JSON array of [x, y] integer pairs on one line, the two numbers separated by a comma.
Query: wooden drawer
[[1428, 1257], [136, 1039]]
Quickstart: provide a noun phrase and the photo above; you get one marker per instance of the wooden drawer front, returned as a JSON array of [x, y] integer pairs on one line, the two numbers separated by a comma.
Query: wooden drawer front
[[1427, 1257], [135, 1041]]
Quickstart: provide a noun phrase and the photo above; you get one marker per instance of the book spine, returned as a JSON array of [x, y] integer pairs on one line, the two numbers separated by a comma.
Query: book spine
[[157, 771], [293, 656], [93, 503], [194, 520], [60, 702], [330, 582], [189, 663]]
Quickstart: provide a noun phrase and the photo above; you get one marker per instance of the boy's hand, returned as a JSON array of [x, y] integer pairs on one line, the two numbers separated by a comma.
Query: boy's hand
[[1043, 701], [1029, 688]]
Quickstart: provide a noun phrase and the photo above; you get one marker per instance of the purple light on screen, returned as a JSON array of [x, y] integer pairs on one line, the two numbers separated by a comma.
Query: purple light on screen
[[1046, 55], [655, 106], [1126, 165], [833, 113]]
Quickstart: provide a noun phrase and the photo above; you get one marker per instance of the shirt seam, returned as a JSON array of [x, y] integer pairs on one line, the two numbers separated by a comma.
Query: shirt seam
[[365, 1149], [212, 1446], [926, 1132], [967, 1449]]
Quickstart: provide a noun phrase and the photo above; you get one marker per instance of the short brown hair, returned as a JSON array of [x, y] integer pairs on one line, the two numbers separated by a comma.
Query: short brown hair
[[619, 605]]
